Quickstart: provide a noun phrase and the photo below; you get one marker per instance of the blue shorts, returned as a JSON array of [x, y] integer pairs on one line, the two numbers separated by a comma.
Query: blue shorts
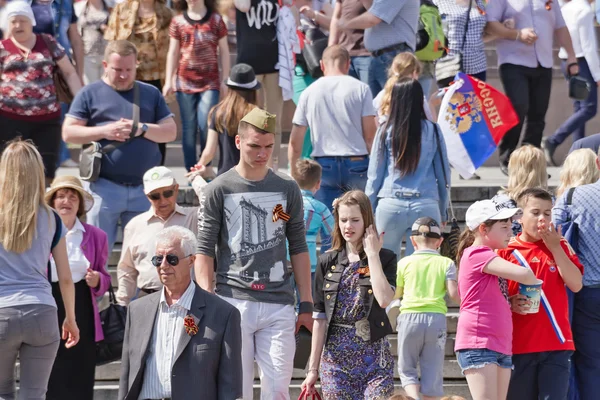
[[479, 358]]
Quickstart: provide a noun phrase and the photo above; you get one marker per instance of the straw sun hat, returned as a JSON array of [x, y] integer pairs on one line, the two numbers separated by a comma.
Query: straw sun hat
[[73, 183]]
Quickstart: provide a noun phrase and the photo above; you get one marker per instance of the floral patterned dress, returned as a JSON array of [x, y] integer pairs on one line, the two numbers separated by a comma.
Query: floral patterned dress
[[352, 367]]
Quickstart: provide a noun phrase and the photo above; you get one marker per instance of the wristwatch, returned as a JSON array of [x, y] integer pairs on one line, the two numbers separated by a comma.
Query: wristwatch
[[144, 130]]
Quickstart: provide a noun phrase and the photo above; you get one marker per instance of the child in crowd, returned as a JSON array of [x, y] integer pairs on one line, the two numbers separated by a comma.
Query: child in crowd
[[542, 342], [317, 217], [580, 168], [405, 65], [484, 333], [423, 280]]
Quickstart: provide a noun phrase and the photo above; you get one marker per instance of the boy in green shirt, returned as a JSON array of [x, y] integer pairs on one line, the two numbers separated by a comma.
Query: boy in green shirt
[[423, 280]]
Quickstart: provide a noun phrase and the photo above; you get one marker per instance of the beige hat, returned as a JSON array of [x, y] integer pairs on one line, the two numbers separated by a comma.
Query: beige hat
[[261, 120], [73, 183], [158, 177]]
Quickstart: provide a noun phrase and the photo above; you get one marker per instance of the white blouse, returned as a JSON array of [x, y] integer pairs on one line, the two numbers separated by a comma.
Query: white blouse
[[77, 261]]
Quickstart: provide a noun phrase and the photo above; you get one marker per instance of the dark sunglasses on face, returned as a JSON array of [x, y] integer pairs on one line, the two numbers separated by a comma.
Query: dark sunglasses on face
[[172, 260], [166, 194]]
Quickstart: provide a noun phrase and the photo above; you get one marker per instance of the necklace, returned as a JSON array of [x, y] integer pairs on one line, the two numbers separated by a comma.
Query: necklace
[[24, 50]]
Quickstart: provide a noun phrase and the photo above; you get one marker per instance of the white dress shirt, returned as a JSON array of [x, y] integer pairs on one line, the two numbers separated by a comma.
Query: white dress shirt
[[165, 339], [77, 261], [579, 17]]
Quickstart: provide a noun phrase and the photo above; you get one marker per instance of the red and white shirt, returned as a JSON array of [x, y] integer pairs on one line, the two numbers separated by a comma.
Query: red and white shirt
[[26, 80], [198, 69], [549, 329]]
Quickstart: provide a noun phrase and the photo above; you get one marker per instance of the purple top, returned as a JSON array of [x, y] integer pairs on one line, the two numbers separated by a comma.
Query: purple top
[[95, 248], [527, 14]]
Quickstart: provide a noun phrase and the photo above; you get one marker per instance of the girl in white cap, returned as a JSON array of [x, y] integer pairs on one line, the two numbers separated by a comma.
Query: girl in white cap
[[484, 333], [29, 104]]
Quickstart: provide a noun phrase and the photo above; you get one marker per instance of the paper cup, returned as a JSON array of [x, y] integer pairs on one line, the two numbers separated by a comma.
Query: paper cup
[[534, 294]]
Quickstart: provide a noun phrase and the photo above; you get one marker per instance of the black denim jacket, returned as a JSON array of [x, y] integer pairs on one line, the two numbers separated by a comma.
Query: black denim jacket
[[327, 280]]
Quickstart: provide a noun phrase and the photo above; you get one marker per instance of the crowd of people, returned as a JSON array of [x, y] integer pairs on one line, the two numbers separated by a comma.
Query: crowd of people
[[211, 290]]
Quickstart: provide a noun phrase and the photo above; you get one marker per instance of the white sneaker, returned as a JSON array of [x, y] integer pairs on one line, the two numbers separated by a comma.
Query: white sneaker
[[69, 163]]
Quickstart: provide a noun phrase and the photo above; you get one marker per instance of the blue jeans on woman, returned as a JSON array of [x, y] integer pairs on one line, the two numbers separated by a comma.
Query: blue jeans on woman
[[584, 110], [194, 109], [395, 217]]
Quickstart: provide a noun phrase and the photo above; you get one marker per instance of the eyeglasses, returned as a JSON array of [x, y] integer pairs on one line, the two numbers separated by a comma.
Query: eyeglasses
[[166, 194], [172, 259], [549, 5]]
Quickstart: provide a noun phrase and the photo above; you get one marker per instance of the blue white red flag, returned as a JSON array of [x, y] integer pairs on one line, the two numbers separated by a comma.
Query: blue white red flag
[[473, 117]]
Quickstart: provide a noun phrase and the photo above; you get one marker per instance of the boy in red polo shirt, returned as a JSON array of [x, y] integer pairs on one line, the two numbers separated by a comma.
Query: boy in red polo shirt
[[542, 342]]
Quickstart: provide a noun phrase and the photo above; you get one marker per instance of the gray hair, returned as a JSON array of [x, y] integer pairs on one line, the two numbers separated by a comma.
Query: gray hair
[[177, 235]]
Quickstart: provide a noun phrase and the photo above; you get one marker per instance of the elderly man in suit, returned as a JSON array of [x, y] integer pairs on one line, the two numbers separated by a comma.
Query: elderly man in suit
[[181, 342]]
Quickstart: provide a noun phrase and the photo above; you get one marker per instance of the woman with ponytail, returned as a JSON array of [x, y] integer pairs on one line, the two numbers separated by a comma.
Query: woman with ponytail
[[484, 334]]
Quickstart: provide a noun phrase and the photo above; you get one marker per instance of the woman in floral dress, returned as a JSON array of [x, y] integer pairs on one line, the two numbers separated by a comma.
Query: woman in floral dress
[[354, 283]]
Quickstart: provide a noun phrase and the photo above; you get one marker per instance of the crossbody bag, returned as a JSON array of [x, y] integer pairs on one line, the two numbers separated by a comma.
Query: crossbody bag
[[90, 160]]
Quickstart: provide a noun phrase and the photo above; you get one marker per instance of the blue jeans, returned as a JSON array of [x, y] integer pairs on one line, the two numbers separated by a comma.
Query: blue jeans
[[395, 217], [359, 68], [586, 334], [341, 174], [543, 375], [194, 109], [114, 202], [479, 358], [378, 69], [584, 110]]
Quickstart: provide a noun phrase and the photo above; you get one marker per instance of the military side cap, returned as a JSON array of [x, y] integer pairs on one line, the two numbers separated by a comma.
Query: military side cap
[[262, 120]]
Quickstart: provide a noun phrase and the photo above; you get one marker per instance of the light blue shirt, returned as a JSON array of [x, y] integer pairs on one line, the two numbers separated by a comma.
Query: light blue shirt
[[318, 221], [399, 21], [428, 180], [163, 348], [585, 213]]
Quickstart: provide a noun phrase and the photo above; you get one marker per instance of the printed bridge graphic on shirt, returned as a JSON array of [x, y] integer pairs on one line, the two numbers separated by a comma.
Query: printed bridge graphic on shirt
[[464, 109], [255, 240]]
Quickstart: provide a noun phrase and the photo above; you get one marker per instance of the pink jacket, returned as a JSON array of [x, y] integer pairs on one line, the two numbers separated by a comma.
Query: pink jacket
[[95, 249]]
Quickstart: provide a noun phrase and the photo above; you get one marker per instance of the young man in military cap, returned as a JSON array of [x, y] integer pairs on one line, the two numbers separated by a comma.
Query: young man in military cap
[[244, 219]]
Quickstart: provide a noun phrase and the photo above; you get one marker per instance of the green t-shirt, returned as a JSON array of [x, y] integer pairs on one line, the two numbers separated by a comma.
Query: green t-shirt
[[423, 276]]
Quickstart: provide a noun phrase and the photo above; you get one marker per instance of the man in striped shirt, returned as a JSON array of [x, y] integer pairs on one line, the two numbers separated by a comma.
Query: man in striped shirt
[[180, 343]]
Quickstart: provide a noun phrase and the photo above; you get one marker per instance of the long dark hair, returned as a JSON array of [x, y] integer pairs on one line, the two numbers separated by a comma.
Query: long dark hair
[[406, 116]]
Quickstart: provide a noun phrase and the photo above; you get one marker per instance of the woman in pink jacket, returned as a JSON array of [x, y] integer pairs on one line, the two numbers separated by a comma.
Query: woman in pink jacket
[[73, 372]]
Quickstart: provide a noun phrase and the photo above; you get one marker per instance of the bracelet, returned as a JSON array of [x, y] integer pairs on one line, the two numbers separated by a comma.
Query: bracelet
[[305, 307], [316, 370]]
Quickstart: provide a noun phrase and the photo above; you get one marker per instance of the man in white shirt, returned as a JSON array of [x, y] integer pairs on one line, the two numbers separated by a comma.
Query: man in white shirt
[[136, 274], [181, 343], [339, 111]]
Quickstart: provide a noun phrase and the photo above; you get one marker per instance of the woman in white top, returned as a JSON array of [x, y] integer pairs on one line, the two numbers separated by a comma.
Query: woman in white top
[[579, 17], [73, 372], [29, 231]]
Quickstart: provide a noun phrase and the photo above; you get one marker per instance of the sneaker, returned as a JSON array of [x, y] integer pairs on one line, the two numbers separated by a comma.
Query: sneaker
[[69, 163], [504, 168], [473, 177], [549, 149]]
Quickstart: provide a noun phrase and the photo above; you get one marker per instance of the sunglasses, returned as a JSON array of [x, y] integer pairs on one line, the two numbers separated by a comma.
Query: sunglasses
[[166, 194], [172, 260]]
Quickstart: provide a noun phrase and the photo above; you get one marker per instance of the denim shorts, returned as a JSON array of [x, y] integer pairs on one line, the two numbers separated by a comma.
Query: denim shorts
[[479, 358]]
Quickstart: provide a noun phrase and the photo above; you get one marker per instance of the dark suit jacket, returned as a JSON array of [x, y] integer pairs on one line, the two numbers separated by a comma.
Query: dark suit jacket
[[207, 365]]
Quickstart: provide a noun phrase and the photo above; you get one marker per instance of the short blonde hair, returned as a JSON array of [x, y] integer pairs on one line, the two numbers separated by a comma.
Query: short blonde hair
[[307, 174], [526, 169], [404, 65], [579, 168], [123, 48]]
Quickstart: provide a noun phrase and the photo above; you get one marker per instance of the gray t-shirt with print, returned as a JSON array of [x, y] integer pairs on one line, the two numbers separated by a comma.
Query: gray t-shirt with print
[[237, 226]]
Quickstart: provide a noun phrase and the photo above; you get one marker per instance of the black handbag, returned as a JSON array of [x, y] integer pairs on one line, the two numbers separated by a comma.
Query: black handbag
[[113, 326], [315, 44], [90, 158], [447, 67], [579, 88], [449, 247], [303, 345]]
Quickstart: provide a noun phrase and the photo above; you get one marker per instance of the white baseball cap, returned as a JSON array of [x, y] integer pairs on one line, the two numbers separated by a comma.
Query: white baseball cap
[[158, 177], [486, 210]]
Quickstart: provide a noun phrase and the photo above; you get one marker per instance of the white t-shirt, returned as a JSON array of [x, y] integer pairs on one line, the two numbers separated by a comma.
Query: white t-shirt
[[333, 108]]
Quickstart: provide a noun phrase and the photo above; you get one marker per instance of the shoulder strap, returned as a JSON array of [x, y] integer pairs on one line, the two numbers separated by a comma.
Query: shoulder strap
[[439, 153], [570, 196], [464, 39], [136, 120], [55, 240]]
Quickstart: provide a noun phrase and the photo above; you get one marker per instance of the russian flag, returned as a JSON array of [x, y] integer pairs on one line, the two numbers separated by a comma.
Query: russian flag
[[473, 117]]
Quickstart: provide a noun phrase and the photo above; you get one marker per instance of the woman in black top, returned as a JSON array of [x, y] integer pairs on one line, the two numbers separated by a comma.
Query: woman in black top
[[225, 117]]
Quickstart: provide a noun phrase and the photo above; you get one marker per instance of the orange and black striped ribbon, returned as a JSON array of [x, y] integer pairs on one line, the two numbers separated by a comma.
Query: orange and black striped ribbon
[[279, 213]]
